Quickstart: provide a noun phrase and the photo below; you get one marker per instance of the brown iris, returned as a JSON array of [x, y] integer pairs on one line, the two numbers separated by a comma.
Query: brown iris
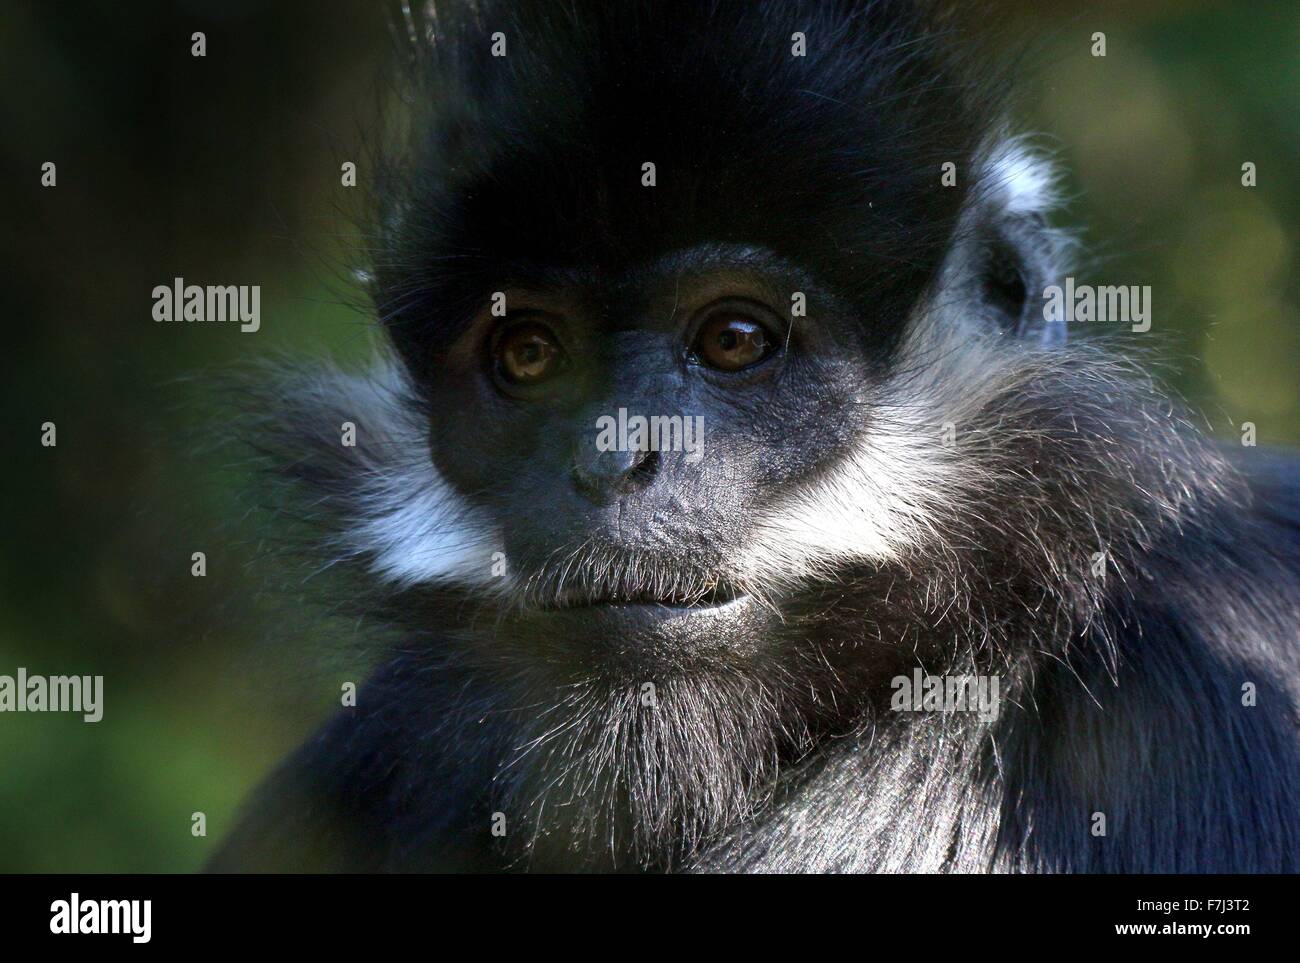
[[528, 354], [730, 342]]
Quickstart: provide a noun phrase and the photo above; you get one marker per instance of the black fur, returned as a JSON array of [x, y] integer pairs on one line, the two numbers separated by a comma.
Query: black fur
[[1122, 693], [827, 159]]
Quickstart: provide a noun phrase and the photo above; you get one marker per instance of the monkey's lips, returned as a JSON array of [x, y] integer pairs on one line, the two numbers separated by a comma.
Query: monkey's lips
[[714, 598], [641, 629], [638, 612]]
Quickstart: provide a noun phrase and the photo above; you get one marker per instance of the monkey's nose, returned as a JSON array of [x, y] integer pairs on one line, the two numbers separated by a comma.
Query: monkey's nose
[[601, 476]]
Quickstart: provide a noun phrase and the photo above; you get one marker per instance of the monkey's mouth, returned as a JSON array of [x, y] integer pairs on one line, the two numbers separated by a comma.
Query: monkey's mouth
[[716, 596], [638, 615]]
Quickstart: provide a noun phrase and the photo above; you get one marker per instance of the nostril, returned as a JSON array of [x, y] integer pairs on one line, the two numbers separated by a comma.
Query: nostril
[[643, 470], [612, 473]]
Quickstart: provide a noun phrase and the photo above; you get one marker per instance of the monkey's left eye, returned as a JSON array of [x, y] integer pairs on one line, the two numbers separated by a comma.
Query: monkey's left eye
[[731, 342], [528, 354]]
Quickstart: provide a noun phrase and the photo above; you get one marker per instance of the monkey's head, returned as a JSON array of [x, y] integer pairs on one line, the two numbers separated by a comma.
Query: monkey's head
[[662, 276], [721, 367]]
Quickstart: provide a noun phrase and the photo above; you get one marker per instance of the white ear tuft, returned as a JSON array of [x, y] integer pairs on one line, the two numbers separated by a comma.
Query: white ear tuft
[[405, 517], [1017, 178], [418, 530]]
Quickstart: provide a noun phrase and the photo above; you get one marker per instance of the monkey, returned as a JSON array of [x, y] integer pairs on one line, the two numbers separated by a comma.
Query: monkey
[[811, 225]]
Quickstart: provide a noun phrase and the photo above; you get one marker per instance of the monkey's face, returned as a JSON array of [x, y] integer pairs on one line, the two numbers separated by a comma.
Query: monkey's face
[[671, 319], [626, 436]]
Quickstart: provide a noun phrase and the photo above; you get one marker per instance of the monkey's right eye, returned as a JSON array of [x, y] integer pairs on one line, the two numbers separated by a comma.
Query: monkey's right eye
[[528, 354], [731, 342]]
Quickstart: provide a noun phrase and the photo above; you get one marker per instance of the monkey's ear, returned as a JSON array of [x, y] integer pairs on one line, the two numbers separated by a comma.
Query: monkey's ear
[[1013, 251]]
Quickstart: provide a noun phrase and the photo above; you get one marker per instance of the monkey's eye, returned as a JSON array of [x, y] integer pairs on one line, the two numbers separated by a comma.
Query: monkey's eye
[[731, 342], [528, 354]]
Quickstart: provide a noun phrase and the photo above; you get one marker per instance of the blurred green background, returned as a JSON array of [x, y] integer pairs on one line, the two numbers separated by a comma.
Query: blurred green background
[[226, 170]]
